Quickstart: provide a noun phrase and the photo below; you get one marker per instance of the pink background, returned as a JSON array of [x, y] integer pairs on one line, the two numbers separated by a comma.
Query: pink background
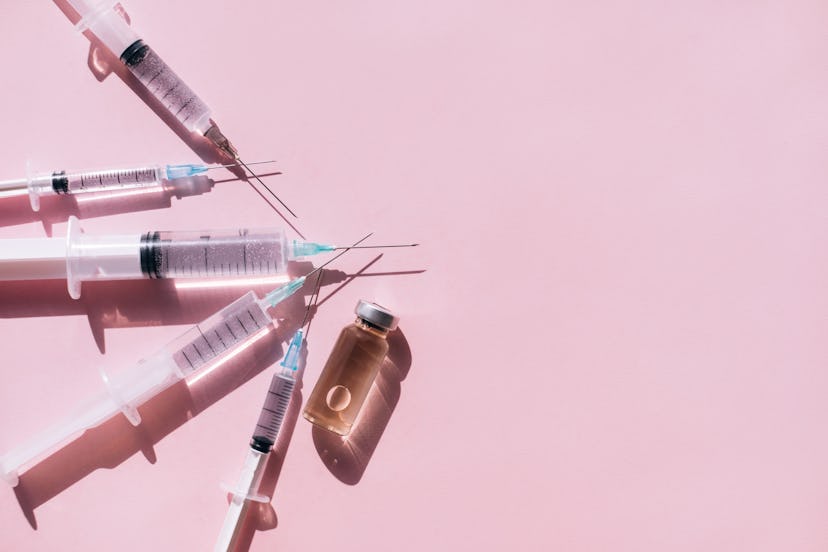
[[619, 342]]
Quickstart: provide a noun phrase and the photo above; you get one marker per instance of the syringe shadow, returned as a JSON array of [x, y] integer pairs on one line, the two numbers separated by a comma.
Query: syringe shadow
[[347, 457], [57, 209], [138, 303], [114, 441]]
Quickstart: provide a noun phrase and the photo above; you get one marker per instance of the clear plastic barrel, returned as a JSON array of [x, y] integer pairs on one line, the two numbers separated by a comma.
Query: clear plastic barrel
[[224, 333], [210, 254], [274, 409], [167, 87], [101, 181], [227, 329]]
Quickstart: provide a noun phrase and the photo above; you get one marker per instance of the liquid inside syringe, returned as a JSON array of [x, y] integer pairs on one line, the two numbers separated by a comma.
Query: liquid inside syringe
[[107, 24], [176, 179], [161, 254], [226, 335], [231, 331]]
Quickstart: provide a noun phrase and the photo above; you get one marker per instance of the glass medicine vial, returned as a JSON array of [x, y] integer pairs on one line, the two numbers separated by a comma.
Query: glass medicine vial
[[351, 368]]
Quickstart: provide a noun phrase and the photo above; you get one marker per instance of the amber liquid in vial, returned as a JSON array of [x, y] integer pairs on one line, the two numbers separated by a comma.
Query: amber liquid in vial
[[347, 377]]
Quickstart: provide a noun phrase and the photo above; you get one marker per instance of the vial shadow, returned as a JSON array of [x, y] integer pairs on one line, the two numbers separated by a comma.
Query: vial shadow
[[102, 63], [115, 440], [139, 303], [347, 457]]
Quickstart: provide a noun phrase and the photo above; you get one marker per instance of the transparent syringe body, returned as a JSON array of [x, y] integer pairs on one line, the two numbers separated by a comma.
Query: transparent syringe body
[[273, 411], [62, 182], [106, 22], [167, 87], [223, 335], [82, 257], [80, 182], [214, 253]]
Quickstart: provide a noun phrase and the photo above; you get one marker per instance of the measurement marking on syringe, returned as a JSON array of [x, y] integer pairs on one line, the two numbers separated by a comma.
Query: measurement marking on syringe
[[205, 340], [239, 320], [223, 344], [250, 314], [170, 91], [154, 77], [201, 356], [188, 102], [229, 329], [190, 362]]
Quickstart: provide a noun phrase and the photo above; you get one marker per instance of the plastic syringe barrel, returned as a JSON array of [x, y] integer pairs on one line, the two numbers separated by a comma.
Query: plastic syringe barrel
[[273, 412], [177, 254], [71, 183], [225, 334], [170, 178], [210, 253], [100, 17], [157, 77], [148, 378], [264, 436], [77, 258], [244, 490]]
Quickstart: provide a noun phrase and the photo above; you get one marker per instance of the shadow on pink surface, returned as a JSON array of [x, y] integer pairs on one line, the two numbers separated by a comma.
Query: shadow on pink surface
[[138, 303], [110, 443], [102, 63], [57, 209], [115, 440], [261, 516], [347, 457], [364, 437]]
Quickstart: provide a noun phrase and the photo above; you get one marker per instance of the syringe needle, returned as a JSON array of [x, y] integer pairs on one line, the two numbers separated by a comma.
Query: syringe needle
[[377, 246], [259, 180], [210, 168], [282, 292], [338, 255]]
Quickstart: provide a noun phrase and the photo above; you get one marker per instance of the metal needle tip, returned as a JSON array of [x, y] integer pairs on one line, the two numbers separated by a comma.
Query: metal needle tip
[[234, 164], [377, 246]]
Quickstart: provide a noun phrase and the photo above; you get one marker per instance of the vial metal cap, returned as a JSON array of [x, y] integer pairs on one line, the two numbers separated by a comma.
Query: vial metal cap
[[377, 315]]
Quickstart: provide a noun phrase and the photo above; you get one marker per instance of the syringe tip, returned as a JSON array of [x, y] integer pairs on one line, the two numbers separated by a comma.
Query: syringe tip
[[291, 359], [283, 292], [221, 142]]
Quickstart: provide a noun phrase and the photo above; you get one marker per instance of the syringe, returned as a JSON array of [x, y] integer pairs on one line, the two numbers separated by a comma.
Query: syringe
[[159, 254], [102, 18], [174, 178], [220, 337], [265, 435]]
